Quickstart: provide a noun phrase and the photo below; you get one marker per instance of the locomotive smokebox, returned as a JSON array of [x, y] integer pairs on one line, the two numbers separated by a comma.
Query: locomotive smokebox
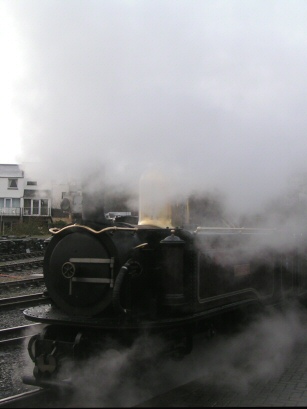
[[172, 270]]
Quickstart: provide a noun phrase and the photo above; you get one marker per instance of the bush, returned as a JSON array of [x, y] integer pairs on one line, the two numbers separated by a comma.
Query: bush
[[59, 224], [30, 228]]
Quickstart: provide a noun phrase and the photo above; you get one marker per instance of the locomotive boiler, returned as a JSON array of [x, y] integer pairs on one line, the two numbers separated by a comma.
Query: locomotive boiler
[[108, 278]]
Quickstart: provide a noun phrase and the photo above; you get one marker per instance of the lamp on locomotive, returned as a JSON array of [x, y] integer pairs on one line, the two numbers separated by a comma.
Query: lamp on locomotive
[[154, 200]]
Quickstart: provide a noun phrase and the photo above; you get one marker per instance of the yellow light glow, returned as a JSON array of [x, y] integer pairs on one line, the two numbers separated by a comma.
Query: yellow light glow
[[154, 208]]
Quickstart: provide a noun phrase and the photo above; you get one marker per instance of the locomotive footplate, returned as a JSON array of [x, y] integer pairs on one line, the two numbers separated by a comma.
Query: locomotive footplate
[[50, 314]]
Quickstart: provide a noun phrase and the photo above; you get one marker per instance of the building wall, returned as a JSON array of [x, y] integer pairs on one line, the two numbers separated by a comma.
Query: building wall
[[11, 191], [6, 191], [22, 196]]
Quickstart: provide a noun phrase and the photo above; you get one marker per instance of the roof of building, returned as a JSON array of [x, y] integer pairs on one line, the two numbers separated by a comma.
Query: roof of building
[[8, 170]]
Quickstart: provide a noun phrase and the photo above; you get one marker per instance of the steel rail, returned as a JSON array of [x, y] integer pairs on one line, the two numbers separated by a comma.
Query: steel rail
[[31, 399], [18, 334], [18, 265], [23, 299], [24, 282]]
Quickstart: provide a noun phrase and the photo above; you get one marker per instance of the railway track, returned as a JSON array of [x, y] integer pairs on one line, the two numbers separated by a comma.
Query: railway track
[[26, 282], [37, 398], [21, 289], [21, 285], [18, 334], [22, 264], [23, 300], [18, 256]]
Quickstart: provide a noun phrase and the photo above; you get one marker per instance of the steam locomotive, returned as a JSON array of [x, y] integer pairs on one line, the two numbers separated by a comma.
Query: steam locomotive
[[110, 278]]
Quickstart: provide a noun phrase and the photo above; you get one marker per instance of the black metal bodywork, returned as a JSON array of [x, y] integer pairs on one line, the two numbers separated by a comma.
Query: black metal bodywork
[[122, 280]]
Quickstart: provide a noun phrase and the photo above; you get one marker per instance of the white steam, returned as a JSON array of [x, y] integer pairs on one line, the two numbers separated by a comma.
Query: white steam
[[260, 352], [213, 90]]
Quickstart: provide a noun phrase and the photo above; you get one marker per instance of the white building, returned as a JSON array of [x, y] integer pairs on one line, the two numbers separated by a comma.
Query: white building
[[26, 195], [21, 197], [11, 190]]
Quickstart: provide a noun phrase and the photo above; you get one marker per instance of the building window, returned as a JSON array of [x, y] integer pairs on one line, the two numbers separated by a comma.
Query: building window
[[27, 207], [44, 207], [35, 207], [13, 183], [15, 202], [8, 202], [31, 183]]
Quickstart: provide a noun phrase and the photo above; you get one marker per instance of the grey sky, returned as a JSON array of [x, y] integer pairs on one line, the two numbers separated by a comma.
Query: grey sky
[[215, 91]]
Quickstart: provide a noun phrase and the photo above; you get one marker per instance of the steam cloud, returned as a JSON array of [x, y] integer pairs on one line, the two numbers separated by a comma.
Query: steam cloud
[[214, 91], [259, 352]]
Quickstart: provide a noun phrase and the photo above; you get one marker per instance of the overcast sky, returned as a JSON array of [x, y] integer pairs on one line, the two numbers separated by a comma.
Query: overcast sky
[[215, 91]]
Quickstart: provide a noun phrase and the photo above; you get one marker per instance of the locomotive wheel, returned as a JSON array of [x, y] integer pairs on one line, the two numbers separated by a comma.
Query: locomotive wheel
[[31, 347], [78, 271], [45, 366]]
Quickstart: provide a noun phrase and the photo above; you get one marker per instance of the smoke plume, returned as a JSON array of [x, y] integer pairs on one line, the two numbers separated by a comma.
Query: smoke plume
[[212, 91], [259, 352]]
